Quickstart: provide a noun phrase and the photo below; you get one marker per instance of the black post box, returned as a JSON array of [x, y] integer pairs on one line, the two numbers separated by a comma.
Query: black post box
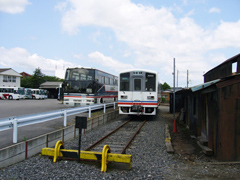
[[81, 123]]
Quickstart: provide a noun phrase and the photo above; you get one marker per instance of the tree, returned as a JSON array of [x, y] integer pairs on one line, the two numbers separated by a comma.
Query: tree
[[37, 79], [52, 78], [165, 86]]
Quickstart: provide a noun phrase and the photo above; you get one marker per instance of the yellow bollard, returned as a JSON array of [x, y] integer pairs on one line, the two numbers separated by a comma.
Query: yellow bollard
[[105, 151], [57, 150]]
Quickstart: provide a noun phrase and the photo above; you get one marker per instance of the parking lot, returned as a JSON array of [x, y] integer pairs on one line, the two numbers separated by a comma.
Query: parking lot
[[10, 108]]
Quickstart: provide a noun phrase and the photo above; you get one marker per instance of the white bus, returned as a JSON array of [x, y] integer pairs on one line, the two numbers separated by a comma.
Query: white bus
[[37, 94], [138, 92], [44, 93], [28, 93], [11, 93], [87, 86]]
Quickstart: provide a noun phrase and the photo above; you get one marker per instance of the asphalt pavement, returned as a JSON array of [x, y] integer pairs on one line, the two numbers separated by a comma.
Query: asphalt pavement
[[11, 108]]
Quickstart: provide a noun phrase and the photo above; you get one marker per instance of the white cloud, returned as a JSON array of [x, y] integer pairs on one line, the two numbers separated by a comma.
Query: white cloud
[[155, 36], [20, 59], [13, 6], [226, 35], [61, 6], [214, 10], [108, 62]]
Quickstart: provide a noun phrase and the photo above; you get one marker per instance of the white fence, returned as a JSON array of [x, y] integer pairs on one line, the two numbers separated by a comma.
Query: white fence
[[19, 121]]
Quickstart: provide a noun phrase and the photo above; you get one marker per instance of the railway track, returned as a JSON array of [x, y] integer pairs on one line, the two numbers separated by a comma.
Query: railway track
[[119, 139]]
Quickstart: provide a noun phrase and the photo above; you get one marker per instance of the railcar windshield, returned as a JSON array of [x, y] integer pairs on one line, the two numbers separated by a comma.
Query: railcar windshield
[[125, 82], [150, 82], [137, 85]]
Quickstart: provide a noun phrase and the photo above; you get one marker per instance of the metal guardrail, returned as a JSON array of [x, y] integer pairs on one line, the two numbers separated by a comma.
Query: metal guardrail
[[19, 121]]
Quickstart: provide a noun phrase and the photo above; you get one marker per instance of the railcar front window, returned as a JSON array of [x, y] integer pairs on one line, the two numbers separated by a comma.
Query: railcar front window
[[137, 85], [150, 82], [124, 82]]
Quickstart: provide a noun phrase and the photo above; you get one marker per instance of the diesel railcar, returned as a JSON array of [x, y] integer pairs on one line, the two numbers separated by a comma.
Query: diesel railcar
[[138, 92]]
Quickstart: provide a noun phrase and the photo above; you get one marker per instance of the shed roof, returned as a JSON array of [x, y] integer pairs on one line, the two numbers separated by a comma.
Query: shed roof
[[204, 85], [51, 84]]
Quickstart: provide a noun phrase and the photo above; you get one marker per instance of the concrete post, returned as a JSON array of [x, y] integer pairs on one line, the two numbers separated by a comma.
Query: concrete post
[[65, 118], [89, 112], [15, 130]]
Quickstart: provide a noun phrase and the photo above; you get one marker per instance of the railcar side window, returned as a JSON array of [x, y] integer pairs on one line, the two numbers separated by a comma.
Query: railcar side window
[[124, 82], [150, 82], [137, 85]]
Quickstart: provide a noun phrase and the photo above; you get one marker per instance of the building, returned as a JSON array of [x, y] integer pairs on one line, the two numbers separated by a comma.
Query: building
[[9, 78], [212, 110], [166, 95], [24, 74], [52, 87]]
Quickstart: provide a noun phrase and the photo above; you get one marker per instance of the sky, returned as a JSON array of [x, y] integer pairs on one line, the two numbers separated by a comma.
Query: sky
[[115, 35]]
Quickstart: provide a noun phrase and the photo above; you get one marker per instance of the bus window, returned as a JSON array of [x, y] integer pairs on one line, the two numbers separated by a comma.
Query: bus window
[[111, 81], [106, 80], [124, 82]]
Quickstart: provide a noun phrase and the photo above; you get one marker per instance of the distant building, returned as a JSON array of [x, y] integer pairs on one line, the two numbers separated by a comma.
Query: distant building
[[52, 87], [9, 77], [24, 74], [166, 94]]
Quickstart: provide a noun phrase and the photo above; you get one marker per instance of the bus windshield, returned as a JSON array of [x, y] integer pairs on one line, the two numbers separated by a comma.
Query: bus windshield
[[79, 74], [21, 91], [80, 81]]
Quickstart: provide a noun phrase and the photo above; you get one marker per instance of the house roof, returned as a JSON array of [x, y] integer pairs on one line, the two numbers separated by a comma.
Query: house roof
[[9, 71], [4, 69], [25, 74]]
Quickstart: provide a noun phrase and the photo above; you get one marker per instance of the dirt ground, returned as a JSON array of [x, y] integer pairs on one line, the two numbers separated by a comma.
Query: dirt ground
[[192, 162]]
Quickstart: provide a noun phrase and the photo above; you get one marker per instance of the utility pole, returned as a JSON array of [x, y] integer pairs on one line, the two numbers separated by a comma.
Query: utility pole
[[187, 79], [177, 77], [173, 88]]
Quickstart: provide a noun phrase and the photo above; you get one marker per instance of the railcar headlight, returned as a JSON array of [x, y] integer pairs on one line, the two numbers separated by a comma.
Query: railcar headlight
[[123, 97], [150, 97]]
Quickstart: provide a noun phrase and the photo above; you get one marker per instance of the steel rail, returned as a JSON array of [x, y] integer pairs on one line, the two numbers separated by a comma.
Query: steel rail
[[129, 142], [97, 142]]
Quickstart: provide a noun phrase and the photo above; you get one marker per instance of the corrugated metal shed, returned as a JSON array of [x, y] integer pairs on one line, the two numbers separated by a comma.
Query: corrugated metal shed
[[204, 85]]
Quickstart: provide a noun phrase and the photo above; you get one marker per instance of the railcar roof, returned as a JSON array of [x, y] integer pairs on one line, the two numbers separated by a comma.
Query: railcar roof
[[144, 70]]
